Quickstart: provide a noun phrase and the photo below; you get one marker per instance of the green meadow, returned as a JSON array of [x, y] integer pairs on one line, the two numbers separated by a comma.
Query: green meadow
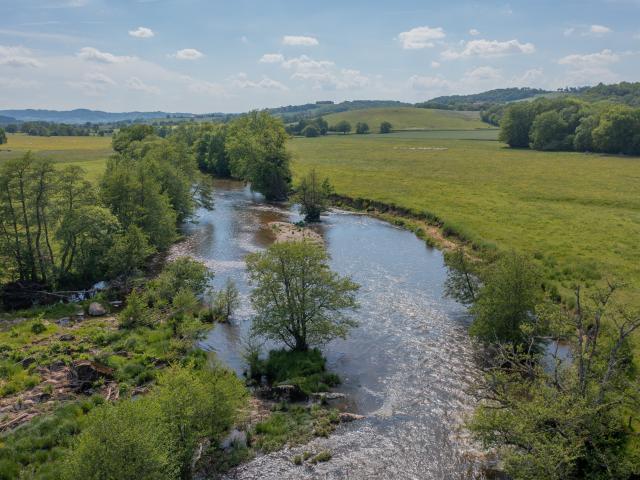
[[89, 153], [411, 118], [577, 214]]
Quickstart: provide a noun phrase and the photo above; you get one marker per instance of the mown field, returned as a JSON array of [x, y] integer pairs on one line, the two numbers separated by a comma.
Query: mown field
[[86, 152], [577, 214], [410, 118]]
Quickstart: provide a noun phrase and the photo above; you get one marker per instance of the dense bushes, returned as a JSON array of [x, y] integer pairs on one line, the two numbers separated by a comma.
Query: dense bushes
[[569, 124]]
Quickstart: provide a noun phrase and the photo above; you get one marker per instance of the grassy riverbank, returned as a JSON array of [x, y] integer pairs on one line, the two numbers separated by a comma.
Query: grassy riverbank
[[577, 214]]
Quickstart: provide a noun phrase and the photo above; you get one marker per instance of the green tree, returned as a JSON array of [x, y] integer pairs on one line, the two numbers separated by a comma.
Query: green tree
[[313, 196], [618, 131], [182, 273], [343, 127], [129, 252], [386, 127], [505, 305], [565, 418], [210, 150], [225, 302], [3, 136], [583, 140], [122, 140], [310, 131], [298, 299], [362, 128], [126, 441], [549, 131], [463, 282], [516, 123], [256, 145]]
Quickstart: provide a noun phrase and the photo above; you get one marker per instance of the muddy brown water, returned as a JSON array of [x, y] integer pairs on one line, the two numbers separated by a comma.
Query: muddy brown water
[[406, 367]]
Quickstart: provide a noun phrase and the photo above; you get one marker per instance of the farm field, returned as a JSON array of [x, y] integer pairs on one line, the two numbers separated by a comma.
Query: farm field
[[577, 214], [410, 118], [89, 153]]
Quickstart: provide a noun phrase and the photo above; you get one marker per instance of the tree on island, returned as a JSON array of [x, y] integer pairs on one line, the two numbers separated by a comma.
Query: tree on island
[[313, 196], [298, 300], [386, 127]]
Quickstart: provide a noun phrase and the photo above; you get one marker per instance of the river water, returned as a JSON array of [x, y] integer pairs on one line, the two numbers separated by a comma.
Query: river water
[[406, 367]]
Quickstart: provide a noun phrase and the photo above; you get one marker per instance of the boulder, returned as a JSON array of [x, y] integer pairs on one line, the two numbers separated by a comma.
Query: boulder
[[64, 321], [84, 372], [96, 310], [67, 337], [346, 417], [289, 393], [327, 396]]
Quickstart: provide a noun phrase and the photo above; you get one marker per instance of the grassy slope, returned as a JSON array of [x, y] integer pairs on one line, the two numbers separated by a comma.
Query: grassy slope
[[89, 153], [579, 214], [409, 118]]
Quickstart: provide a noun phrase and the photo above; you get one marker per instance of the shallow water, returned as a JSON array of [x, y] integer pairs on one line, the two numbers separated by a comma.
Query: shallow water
[[406, 366]]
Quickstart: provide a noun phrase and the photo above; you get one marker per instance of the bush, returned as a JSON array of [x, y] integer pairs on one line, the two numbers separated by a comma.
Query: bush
[[362, 128], [386, 127]]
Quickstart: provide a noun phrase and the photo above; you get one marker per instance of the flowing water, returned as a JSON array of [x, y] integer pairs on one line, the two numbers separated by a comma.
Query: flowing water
[[405, 367]]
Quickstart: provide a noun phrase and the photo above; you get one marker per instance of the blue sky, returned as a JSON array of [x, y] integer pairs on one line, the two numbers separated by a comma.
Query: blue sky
[[204, 56]]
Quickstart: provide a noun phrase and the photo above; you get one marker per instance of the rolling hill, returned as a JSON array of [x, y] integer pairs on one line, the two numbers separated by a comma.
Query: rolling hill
[[411, 118]]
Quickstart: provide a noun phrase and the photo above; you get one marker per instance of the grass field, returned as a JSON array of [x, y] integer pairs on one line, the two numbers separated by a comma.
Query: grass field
[[410, 118], [578, 214], [89, 153]]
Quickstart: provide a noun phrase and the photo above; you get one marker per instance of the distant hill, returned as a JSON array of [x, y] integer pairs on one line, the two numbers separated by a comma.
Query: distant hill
[[83, 115], [480, 101], [410, 118], [625, 92], [4, 120], [293, 113]]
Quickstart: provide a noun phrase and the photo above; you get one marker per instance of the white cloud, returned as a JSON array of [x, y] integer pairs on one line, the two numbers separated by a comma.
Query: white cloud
[[93, 83], [605, 57], [428, 83], [272, 58], [435, 64], [530, 78], [569, 31], [483, 73], [142, 32], [188, 54], [134, 83], [205, 88], [100, 78], [306, 64], [420, 37], [17, 56], [474, 32], [599, 30], [242, 81], [489, 48], [18, 83], [54, 37], [95, 55], [300, 41]]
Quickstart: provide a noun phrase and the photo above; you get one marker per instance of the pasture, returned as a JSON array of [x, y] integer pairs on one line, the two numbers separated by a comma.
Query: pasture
[[577, 214], [410, 118], [89, 153]]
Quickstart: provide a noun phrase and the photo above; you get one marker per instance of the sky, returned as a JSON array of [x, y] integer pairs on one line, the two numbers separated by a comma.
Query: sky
[[235, 55]]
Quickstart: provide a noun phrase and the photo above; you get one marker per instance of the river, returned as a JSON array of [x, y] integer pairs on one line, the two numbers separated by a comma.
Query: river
[[406, 367]]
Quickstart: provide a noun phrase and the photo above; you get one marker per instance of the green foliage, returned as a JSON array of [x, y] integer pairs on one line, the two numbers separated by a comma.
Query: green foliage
[[313, 196], [481, 101], [122, 140], [128, 253], [504, 310], [298, 300], [310, 131], [305, 369], [3, 136], [463, 281], [386, 127], [565, 418], [362, 128], [516, 124], [225, 302], [256, 146], [210, 150], [550, 132], [136, 312], [181, 274], [309, 128], [342, 126]]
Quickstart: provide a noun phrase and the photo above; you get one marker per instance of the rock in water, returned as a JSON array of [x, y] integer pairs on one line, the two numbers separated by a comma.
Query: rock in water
[[346, 417], [96, 310]]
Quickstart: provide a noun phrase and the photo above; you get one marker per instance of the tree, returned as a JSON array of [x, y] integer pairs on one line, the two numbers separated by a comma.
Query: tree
[[313, 196], [386, 127], [362, 128], [210, 151], [310, 131], [617, 131], [583, 140], [297, 298], [550, 132], [516, 124], [505, 305], [463, 282], [343, 127], [256, 145], [565, 417], [225, 302], [129, 252], [3, 136]]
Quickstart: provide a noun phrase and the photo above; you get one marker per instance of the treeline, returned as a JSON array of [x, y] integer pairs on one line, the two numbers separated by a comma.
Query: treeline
[[49, 129], [559, 397], [481, 101], [57, 229], [570, 124]]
